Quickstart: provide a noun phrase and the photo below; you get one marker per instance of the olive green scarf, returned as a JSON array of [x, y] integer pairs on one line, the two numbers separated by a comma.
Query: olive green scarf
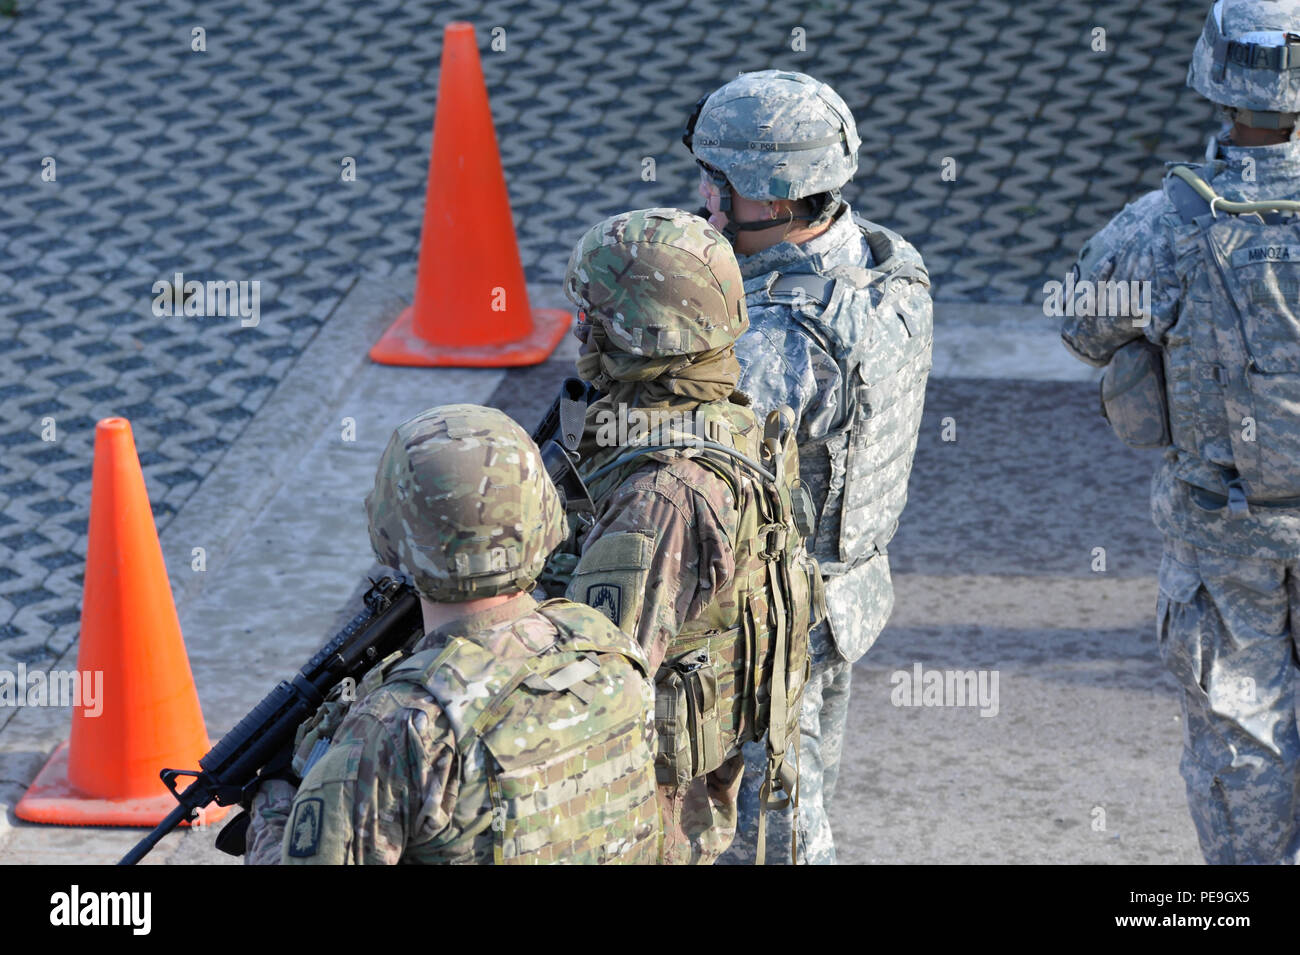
[[635, 382]]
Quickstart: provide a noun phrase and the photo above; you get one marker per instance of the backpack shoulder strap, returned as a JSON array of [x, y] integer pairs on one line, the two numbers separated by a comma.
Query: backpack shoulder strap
[[585, 630], [1181, 190], [1267, 211], [892, 255], [632, 455]]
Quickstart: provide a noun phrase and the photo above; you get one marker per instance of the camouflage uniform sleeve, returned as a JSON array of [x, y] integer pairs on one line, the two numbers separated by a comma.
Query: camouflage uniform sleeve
[[1134, 246], [781, 364], [389, 779], [659, 551], [267, 818]]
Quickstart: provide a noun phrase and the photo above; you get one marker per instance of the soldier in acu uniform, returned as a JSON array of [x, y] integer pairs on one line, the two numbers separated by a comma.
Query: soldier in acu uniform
[[695, 549], [515, 732], [840, 330], [1213, 376]]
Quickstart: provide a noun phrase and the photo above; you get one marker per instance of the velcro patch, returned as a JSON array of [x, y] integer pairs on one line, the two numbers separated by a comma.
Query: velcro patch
[[575, 672], [306, 827], [611, 577], [318, 749]]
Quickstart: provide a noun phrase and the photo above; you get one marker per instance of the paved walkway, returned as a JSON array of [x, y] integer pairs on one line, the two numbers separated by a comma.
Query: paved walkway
[[224, 164]]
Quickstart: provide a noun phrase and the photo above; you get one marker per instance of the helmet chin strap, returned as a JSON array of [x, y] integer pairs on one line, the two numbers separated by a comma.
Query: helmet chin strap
[[824, 213], [734, 227], [758, 225]]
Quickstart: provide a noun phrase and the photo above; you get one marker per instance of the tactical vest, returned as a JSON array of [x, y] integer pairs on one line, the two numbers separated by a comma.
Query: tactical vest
[[1232, 360], [563, 734], [883, 350], [738, 670]]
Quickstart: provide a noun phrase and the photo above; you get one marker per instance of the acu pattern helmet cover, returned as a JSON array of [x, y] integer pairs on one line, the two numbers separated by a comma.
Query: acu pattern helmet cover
[[661, 282], [1248, 58], [463, 504], [776, 135]]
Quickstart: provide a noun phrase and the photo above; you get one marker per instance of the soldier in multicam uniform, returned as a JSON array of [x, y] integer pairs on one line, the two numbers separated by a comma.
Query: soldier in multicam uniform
[[688, 553], [1218, 359], [515, 732], [840, 330]]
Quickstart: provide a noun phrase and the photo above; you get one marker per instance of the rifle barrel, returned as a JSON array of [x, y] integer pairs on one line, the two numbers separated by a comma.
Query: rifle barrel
[[143, 847]]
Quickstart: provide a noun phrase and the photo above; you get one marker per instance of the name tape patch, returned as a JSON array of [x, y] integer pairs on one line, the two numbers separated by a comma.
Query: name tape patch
[[1256, 254]]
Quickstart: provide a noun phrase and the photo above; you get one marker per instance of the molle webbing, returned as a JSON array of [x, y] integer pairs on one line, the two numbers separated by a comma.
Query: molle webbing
[[568, 764]]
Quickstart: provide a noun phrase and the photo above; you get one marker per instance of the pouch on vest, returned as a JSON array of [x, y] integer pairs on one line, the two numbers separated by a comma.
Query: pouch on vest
[[1133, 396], [686, 719]]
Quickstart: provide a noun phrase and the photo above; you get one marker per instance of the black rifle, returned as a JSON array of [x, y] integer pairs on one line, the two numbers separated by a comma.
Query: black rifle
[[557, 437], [231, 771]]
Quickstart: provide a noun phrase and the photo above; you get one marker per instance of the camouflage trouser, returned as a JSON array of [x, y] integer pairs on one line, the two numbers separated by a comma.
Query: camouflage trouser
[[1224, 628], [821, 738], [699, 820]]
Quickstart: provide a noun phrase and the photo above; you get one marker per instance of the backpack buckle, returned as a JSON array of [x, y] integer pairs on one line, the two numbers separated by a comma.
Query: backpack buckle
[[775, 537]]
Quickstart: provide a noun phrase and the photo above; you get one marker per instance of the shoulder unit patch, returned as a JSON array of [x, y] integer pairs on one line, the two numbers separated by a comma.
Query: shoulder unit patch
[[608, 599], [306, 828]]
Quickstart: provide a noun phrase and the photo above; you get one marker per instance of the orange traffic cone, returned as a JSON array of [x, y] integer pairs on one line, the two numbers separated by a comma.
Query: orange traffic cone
[[471, 305], [146, 715]]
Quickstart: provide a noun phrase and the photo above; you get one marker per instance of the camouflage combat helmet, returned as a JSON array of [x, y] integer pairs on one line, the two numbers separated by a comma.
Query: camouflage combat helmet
[[661, 282], [1248, 60], [774, 135], [463, 504]]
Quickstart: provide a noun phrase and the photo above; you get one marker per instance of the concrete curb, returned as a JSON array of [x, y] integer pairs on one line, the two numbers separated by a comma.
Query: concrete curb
[[980, 340]]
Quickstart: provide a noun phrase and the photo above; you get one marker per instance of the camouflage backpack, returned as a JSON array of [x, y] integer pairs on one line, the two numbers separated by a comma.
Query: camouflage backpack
[[738, 671], [563, 732], [1232, 362]]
